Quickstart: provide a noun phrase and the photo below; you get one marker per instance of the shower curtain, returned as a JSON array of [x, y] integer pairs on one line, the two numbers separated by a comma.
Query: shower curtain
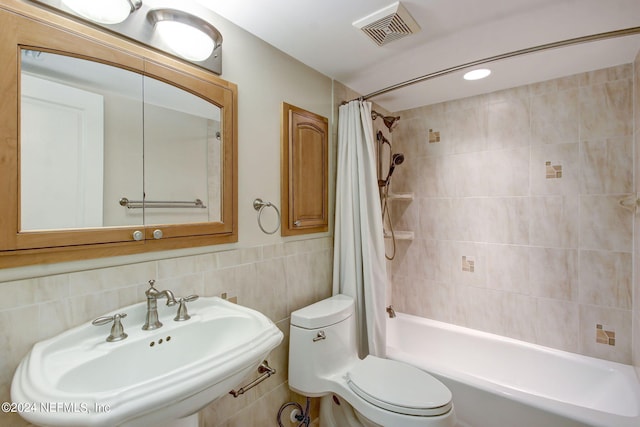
[[359, 266]]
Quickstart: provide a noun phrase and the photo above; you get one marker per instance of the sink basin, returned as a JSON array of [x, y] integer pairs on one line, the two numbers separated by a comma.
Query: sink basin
[[79, 379]]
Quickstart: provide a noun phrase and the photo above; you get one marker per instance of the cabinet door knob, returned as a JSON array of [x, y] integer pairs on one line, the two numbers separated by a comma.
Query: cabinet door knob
[[138, 235], [157, 234]]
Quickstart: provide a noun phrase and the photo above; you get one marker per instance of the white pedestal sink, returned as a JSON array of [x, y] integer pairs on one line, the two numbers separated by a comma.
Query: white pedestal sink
[[79, 379]]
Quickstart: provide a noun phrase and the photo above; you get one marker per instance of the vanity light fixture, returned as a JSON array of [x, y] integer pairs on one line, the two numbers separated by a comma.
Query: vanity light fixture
[[186, 35], [104, 11], [477, 74]]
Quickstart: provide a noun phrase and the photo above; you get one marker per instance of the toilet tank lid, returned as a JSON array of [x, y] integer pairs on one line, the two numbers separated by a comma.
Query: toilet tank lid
[[323, 313]]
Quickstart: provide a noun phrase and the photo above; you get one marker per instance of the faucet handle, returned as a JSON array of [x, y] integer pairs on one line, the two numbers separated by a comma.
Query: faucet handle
[[117, 330], [182, 309]]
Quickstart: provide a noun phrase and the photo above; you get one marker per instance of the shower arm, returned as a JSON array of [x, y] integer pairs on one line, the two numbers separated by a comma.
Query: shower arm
[[389, 121], [548, 46]]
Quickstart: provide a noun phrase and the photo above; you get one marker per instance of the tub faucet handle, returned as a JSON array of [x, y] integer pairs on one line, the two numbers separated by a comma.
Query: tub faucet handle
[[182, 308], [391, 312], [117, 330]]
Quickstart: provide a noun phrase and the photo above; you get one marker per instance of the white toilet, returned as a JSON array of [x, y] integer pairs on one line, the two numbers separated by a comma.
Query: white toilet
[[323, 362]]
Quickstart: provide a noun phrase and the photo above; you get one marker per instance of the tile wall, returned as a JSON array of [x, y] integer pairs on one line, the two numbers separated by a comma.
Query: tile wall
[[516, 214], [274, 279]]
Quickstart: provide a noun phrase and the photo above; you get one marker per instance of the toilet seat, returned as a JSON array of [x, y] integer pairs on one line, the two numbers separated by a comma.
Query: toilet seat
[[398, 387]]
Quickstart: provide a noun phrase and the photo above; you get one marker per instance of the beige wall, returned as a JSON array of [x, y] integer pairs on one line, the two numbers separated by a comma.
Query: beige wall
[[269, 273], [552, 255], [636, 223]]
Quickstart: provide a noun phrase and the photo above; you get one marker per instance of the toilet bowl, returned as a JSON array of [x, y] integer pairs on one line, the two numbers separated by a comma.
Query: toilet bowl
[[323, 362]]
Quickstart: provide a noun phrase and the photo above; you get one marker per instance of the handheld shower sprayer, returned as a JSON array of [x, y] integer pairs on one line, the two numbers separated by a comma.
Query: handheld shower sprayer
[[396, 160], [381, 139]]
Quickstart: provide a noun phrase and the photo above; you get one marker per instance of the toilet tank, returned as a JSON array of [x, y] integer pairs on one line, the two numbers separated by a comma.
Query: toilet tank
[[322, 344]]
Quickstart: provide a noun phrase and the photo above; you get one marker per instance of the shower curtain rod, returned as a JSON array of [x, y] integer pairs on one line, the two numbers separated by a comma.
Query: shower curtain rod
[[569, 42]]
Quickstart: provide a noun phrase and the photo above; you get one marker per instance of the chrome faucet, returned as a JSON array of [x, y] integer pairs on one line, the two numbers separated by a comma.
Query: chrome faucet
[[153, 294]]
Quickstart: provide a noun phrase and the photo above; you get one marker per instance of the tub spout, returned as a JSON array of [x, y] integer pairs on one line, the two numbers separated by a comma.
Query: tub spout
[[391, 312]]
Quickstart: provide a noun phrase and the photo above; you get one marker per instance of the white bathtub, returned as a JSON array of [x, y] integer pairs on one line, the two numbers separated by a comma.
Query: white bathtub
[[502, 382]]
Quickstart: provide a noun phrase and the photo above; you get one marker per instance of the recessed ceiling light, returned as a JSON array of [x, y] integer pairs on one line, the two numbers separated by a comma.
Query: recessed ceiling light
[[477, 74]]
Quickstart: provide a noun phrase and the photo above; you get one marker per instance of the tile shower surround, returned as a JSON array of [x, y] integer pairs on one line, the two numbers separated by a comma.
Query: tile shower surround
[[525, 183], [274, 279]]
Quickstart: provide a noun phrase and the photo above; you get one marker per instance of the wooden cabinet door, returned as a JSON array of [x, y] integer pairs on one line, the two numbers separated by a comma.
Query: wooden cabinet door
[[305, 172]]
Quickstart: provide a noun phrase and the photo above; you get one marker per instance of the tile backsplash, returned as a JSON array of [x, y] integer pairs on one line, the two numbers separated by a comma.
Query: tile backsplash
[[524, 187]]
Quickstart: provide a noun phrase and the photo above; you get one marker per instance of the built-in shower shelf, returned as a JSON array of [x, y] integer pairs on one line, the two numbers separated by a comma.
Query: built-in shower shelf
[[400, 235], [401, 196]]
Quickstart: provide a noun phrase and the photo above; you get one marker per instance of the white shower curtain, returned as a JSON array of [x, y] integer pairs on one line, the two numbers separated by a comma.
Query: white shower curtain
[[359, 266]]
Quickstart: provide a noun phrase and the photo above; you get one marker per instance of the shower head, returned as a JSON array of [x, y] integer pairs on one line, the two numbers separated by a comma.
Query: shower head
[[389, 121], [397, 159]]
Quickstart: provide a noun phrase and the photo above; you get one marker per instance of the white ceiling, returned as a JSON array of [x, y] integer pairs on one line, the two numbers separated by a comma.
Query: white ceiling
[[454, 32]]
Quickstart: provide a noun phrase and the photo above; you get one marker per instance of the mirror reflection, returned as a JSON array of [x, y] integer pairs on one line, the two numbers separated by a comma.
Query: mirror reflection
[[182, 159], [93, 134]]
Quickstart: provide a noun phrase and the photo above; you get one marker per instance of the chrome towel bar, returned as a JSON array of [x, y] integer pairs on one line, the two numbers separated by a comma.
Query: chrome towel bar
[[263, 369], [139, 204]]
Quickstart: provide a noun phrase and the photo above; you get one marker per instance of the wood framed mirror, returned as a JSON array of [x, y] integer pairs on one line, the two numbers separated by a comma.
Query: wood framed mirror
[[87, 121]]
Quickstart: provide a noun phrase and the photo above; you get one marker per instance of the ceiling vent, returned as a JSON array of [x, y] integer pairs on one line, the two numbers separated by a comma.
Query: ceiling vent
[[386, 25]]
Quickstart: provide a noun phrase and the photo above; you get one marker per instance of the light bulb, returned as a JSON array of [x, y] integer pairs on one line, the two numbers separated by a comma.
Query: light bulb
[[477, 74], [185, 40], [101, 11]]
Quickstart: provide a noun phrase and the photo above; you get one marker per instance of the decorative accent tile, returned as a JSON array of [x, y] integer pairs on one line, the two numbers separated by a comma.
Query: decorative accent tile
[[553, 171], [433, 136], [605, 337], [566, 155], [611, 320], [468, 264]]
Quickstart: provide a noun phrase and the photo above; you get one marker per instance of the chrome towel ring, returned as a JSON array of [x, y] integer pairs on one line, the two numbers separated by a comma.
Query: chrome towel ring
[[259, 205]]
